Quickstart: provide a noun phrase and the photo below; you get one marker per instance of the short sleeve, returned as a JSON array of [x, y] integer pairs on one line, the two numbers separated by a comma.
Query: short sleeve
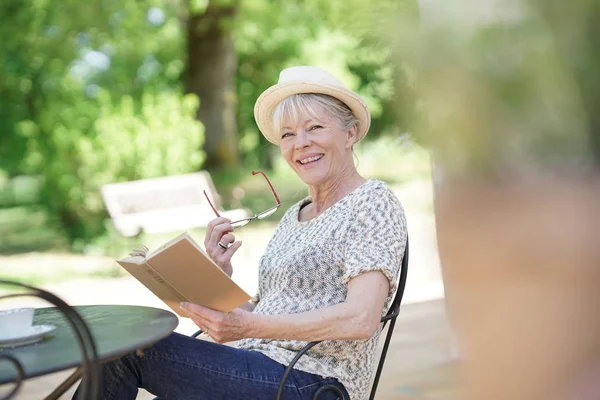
[[376, 236]]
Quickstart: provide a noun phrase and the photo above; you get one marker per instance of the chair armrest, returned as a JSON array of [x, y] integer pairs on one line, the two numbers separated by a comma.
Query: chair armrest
[[197, 333], [392, 315], [290, 367], [310, 345]]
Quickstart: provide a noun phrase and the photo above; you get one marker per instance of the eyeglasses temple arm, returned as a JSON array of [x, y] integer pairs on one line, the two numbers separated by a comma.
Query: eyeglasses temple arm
[[271, 186], [211, 204]]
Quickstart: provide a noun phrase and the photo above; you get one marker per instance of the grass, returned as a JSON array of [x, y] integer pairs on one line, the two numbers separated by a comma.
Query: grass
[[393, 159], [28, 228], [57, 275], [31, 278]]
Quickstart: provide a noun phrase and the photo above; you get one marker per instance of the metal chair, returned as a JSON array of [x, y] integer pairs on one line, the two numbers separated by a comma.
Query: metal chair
[[391, 316]]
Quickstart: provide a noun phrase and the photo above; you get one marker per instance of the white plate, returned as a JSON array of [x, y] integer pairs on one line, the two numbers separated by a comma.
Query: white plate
[[35, 334]]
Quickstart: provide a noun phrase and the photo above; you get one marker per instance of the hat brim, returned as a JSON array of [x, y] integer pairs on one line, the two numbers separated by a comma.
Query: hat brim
[[270, 98]]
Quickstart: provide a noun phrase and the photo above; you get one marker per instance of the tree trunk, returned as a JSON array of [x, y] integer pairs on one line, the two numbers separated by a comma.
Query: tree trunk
[[211, 66]]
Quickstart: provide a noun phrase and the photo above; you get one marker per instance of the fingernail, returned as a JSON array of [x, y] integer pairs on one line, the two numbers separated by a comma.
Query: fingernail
[[183, 304]]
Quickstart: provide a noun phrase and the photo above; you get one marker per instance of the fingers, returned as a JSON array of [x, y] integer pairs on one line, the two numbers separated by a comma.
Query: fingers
[[195, 308], [215, 232], [226, 255], [219, 231], [232, 249], [212, 225], [200, 315], [222, 327], [210, 321], [227, 239]]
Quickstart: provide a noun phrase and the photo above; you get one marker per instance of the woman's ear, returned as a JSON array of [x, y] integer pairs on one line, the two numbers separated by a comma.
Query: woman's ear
[[351, 137]]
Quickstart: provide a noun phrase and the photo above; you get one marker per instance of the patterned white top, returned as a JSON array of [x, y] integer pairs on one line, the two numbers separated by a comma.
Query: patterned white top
[[307, 266]]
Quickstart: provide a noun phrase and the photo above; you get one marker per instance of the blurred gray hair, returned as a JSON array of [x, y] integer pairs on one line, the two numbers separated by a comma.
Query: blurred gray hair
[[313, 104]]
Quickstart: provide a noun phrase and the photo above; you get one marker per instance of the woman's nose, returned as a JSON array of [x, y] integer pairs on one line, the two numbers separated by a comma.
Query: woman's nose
[[302, 139]]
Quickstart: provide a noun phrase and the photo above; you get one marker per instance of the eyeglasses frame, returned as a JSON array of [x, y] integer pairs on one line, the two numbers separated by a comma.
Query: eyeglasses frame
[[255, 216]]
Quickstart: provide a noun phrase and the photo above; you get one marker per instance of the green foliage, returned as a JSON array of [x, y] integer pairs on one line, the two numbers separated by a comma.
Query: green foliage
[[333, 35], [393, 159], [63, 53], [117, 142], [20, 190], [29, 228], [162, 139], [91, 92], [267, 36]]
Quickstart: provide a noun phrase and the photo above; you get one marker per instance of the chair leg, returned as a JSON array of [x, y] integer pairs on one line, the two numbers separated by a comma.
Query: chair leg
[[66, 385], [20, 375], [197, 333]]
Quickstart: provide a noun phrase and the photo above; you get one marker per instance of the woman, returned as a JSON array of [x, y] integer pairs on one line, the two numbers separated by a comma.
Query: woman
[[328, 273]]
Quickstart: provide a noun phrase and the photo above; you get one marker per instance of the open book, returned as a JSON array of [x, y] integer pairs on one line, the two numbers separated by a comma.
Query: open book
[[181, 271]]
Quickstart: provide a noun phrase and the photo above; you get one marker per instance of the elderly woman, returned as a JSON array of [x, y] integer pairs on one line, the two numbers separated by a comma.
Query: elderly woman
[[328, 273]]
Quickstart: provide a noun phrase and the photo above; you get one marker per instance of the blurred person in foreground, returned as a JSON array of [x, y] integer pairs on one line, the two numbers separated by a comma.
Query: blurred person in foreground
[[328, 273], [510, 103]]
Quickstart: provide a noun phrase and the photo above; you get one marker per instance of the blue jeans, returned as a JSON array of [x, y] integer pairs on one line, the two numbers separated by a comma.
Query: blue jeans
[[183, 368]]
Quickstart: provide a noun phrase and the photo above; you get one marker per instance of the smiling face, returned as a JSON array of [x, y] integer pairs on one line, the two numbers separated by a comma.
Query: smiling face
[[316, 144]]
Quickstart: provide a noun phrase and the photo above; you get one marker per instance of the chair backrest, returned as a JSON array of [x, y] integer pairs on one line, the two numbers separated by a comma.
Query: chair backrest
[[391, 316]]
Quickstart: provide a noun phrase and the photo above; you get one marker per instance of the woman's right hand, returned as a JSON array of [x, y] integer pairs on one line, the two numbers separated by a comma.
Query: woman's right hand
[[220, 230]]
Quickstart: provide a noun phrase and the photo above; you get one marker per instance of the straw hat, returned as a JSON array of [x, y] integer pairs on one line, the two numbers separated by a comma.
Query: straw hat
[[297, 80]]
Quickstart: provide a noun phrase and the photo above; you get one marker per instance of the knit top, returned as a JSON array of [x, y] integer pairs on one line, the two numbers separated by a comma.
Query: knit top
[[307, 266]]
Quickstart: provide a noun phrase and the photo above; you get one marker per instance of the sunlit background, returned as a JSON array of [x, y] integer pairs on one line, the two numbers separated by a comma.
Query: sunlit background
[[483, 111]]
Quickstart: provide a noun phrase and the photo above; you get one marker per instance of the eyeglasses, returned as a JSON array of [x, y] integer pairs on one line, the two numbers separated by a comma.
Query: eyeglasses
[[262, 215]]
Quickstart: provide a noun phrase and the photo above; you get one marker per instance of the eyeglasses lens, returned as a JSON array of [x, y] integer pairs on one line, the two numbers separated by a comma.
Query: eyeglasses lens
[[267, 213], [240, 223]]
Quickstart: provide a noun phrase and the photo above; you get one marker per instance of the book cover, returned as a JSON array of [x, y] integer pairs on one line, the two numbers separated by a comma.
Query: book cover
[[179, 271]]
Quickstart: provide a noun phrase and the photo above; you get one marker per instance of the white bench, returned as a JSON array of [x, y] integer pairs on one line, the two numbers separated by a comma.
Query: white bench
[[164, 204]]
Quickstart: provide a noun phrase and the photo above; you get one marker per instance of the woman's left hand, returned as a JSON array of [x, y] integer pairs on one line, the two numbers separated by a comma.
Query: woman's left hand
[[220, 326]]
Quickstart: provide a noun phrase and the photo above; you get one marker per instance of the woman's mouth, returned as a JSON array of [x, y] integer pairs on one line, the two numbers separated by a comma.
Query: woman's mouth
[[310, 160]]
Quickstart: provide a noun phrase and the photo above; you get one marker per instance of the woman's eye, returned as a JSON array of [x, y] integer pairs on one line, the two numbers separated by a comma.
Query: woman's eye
[[312, 128], [287, 134]]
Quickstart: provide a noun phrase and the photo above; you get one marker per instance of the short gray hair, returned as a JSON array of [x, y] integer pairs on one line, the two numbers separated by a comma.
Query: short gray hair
[[309, 104]]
